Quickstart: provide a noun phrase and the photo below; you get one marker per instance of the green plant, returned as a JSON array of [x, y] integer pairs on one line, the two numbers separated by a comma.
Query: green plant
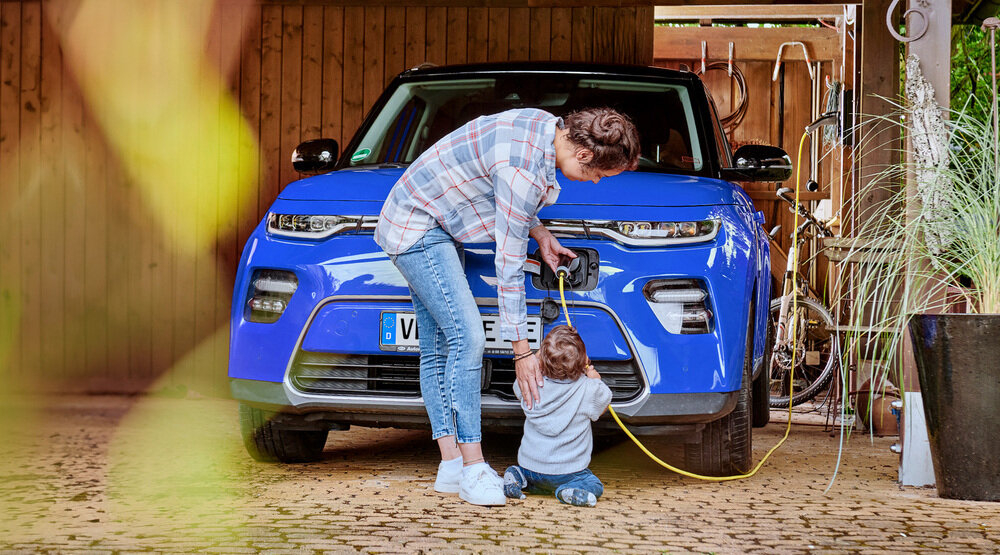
[[970, 63], [934, 247]]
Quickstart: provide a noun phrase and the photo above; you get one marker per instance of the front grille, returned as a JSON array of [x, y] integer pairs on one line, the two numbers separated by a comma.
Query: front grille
[[622, 378], [355, 374], [336, 374]]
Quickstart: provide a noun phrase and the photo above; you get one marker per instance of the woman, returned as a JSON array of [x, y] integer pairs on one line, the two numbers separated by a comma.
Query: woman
[[486, 181]]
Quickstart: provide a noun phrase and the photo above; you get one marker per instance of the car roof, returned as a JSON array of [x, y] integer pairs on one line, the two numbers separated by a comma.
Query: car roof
[[621, 70]]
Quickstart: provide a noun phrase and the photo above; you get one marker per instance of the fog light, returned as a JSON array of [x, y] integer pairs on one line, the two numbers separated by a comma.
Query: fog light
[[268, 295], [263, 304], [681, 305]]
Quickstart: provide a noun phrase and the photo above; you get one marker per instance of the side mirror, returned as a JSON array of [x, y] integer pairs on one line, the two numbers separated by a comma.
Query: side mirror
[[759, 163], [315, 156]]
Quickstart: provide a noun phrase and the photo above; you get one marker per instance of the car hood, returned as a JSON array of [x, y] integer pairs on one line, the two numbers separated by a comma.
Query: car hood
[[626, 189]]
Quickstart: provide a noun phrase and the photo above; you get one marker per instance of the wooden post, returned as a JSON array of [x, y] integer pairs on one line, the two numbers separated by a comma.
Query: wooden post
[[929, 38], [932, 45], [877, 71], [879, 78]]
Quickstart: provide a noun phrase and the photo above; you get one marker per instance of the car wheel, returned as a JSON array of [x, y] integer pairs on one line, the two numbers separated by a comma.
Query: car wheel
[[726, 446], [268, 442], [760, 395]]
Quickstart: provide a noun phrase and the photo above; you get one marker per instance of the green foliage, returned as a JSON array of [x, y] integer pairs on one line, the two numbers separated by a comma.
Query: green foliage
[[970, 70]]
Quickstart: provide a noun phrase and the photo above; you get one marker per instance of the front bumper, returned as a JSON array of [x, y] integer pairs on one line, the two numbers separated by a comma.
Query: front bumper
[[649, 413]]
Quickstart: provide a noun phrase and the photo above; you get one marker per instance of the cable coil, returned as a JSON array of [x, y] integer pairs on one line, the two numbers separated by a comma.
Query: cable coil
[[733, 120]]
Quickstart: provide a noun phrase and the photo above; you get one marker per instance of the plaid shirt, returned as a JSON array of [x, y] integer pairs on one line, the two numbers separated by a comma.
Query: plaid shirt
[[485, 181]]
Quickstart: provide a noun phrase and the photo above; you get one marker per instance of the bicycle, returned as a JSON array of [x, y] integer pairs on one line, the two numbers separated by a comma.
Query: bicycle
[[811, 325]]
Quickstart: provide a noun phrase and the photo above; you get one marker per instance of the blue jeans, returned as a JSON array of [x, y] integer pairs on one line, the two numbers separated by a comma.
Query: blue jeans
[[451, 334], [554, 483]]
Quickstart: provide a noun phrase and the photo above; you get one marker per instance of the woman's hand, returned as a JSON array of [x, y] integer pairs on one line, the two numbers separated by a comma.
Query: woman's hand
[[529, 374], [550, 247]]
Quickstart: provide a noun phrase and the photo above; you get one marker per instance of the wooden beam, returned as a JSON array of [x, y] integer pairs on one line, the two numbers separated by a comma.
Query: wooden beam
[[756, 12], [804, 196], [776, 5], [457, 3], [684, 43]]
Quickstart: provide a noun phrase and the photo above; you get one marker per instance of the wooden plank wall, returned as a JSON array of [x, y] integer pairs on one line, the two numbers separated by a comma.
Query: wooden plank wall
[[778, 110], [92, 298]]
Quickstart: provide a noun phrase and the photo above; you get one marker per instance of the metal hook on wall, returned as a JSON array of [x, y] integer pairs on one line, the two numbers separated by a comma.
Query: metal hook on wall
[[912, 11], [805, 52]]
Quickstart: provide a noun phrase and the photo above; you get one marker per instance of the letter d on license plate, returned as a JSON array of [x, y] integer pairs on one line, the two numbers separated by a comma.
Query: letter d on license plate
[[398, 332]]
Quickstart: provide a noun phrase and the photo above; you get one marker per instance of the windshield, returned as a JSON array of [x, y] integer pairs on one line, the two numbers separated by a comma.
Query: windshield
[[420, 113]]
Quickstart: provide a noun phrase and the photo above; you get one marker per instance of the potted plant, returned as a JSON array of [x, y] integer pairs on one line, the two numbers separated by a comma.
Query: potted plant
[[929, 263]]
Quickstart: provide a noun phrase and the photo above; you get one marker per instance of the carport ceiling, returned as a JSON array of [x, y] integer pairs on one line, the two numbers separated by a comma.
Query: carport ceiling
[[755, 12], [963, 11]]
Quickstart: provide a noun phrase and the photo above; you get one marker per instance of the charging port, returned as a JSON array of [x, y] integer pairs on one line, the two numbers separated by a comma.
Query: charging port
[[583, 272]]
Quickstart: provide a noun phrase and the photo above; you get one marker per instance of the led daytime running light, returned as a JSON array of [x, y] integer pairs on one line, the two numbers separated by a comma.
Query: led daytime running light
[[317, 226], [667, 230]]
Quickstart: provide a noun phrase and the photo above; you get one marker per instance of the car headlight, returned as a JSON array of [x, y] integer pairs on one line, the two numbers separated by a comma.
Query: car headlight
[[640, 233], [654, 230], [317, 226]]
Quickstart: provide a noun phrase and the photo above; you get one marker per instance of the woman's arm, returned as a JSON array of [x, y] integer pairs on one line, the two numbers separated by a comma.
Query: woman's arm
[[517, 195]]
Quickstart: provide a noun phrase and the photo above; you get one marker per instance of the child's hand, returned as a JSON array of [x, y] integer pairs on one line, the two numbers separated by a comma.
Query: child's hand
[[591, 372]]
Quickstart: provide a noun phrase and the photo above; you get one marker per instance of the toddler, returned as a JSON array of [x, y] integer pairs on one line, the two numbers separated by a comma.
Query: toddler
[[557, 442]]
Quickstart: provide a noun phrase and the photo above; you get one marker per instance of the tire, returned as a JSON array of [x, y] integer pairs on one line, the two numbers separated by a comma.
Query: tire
[[760, 395], [819, 336], [267, 442], [726, 446]]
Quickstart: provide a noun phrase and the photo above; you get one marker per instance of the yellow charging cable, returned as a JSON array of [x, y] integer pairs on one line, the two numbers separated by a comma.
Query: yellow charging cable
[[793, 331]]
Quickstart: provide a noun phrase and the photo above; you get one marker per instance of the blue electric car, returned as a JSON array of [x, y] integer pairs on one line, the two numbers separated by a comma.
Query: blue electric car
[[671, 295]]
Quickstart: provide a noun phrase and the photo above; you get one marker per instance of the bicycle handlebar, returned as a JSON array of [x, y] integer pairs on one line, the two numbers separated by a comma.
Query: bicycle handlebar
[[810, 219]]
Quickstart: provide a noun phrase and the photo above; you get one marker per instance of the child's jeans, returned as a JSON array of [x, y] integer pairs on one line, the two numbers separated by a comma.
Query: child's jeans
[[554, 483]]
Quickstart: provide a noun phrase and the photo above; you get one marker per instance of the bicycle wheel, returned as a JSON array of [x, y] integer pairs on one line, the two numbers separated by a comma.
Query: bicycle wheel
[[816, 356]]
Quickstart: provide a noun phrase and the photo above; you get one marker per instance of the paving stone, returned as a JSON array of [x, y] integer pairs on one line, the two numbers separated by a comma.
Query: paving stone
[[86, 488]]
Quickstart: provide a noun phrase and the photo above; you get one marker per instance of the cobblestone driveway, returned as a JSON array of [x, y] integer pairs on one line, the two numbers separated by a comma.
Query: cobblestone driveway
[[118, 474]]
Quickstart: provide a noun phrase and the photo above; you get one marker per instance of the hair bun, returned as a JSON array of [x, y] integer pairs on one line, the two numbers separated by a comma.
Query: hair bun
[[609, 134], [608, 128]]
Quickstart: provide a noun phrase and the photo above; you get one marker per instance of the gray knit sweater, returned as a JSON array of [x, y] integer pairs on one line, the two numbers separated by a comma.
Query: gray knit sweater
[[557, 437]]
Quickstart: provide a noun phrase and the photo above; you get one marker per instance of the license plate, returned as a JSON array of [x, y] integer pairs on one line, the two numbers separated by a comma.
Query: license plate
[[398, 332]]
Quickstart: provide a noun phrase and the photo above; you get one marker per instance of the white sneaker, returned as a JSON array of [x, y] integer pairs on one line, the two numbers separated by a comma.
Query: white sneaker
[[449, 476], [481, 486]]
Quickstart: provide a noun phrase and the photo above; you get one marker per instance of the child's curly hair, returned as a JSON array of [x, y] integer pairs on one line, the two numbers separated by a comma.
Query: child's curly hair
[[562, 355]]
